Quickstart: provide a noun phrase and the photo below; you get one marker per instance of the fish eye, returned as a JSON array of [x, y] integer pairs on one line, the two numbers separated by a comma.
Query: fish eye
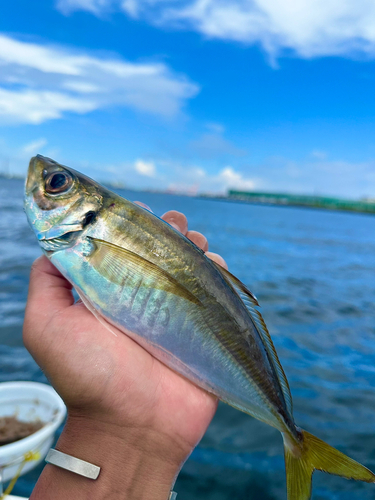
[[58, 182]]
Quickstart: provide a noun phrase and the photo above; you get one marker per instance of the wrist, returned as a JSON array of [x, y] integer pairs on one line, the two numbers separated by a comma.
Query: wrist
[[135, 463]]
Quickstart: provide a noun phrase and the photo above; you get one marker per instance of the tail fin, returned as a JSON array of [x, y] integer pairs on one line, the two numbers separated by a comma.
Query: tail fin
[[314, 454]]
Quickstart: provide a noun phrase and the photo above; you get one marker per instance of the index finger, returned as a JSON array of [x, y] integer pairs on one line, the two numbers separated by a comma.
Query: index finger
[[176, 219]]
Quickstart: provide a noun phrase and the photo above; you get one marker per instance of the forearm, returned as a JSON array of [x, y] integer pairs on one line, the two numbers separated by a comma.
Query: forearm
[[134, 465]]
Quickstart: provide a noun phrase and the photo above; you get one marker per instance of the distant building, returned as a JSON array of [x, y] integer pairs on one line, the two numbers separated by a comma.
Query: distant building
[[303, 201]]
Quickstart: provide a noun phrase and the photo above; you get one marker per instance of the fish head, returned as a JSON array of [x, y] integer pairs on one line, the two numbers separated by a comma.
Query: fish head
[[59, 203]]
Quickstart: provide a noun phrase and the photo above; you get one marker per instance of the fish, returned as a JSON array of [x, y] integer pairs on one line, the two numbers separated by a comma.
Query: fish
[[137, 273]]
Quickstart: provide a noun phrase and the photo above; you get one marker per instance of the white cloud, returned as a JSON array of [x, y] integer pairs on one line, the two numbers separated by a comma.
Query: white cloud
[[94, 6], [314, 176], [30, 55], [309, 176], [84, 87], [169, 174], [37, 106], [232, 179], [34, 147], [131, 7], [308, 27], [40, 82], [318, 177], [196, 179], [145, 168]]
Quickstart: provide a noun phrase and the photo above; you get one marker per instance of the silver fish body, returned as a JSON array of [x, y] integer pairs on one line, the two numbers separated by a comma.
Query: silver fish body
[[136, 272]]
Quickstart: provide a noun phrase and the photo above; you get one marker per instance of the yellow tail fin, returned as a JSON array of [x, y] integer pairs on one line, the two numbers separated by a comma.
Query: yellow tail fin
[[313, 453]]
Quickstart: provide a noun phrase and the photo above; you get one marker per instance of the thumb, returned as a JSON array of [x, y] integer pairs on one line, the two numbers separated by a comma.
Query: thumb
[[49, 293]]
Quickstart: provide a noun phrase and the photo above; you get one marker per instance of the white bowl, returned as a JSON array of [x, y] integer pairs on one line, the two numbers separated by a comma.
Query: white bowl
[[29, 401]]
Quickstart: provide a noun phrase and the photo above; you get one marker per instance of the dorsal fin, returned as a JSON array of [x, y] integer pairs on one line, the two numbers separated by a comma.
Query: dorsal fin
[[251, 302]]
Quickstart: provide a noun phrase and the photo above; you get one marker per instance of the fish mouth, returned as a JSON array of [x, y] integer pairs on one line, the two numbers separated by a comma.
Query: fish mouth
[[59, 231], [60, 243]]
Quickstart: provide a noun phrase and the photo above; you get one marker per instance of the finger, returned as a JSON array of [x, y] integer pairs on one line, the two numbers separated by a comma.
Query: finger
[[177, 220], [218, 259], [198, 239], [141, 204]]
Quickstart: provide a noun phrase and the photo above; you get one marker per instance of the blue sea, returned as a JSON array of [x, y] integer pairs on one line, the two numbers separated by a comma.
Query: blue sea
[[313, 273]]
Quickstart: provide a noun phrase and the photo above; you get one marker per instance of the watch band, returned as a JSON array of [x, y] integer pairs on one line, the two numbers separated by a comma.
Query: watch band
[[81, 467], [73, 464]]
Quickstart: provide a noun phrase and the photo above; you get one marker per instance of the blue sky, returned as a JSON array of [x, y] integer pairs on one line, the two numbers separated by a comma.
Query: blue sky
[[193, 95]]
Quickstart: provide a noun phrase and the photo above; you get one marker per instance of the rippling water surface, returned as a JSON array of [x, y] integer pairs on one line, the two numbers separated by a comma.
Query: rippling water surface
[[314, 275]]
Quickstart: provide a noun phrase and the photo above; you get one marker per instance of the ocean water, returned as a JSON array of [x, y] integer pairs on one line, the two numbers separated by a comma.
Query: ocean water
[[314, 275]]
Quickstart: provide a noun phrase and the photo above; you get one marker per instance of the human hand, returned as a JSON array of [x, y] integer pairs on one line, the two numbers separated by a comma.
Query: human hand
[[127, 412]]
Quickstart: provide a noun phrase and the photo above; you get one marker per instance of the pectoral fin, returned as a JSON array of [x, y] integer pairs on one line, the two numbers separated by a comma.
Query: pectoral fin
[[118, 264]]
